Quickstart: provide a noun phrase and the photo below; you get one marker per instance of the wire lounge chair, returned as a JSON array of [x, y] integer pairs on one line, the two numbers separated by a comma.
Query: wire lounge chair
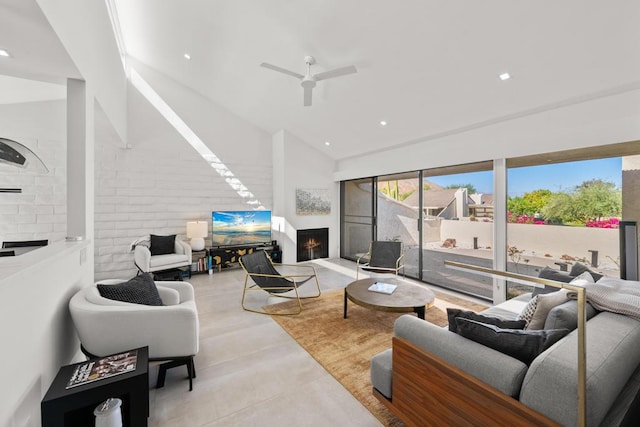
[[383, 257], [259, 267]]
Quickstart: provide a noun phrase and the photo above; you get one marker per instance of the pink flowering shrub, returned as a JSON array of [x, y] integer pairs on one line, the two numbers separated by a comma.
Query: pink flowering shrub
[[605, 223], [524, 219]]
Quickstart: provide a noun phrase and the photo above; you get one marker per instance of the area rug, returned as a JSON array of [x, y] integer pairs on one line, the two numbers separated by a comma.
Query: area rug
[[344, 347]]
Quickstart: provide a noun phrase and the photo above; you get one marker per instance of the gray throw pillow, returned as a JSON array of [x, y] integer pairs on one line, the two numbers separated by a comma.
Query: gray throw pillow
[[565, 316], [162, 245], [524, 345], [551, 274], [452, 313], [545, 303], [579, 268], [138, 290]]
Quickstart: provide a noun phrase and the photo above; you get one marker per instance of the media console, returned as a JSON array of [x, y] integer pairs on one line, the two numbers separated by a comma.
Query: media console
[[224, 256]]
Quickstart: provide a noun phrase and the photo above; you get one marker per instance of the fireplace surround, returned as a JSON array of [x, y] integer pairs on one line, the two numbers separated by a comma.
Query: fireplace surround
[[312, 243]]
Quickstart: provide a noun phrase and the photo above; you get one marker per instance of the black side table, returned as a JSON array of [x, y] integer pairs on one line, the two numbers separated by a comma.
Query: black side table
[[62, 407]]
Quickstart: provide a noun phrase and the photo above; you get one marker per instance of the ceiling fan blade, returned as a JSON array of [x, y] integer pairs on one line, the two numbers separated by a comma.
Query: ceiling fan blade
[[307, 96], [336, 73], [281, 70]]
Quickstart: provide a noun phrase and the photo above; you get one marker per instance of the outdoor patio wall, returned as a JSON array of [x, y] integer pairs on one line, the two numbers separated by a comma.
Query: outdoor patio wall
[[465, 231], [541, 239]]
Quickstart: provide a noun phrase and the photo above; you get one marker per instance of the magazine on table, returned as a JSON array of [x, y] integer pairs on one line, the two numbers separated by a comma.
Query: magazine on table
[[98, 369], [383, 288]]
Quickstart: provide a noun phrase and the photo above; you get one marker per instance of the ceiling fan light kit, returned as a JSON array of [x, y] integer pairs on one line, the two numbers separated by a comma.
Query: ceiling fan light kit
[[308, 81]]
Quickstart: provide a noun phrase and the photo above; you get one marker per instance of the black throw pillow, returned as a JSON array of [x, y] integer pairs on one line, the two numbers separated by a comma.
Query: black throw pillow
[[162, 245], [452, 313], [138, 290], [524, 345]]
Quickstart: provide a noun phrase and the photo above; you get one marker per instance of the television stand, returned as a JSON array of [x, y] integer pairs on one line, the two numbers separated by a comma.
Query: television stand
[[227, 256]]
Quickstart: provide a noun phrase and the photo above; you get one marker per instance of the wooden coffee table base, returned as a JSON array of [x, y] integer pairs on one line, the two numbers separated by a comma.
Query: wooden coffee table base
[[406, 298]]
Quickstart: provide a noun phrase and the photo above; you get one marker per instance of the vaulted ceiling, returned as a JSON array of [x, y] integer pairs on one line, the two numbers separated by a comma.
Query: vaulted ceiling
[[426, 67]]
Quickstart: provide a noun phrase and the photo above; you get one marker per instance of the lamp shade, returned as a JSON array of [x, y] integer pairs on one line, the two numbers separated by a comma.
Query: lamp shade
[[197, 231]]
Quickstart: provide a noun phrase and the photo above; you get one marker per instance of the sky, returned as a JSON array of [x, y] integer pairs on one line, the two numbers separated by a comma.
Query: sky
[[555, 177]]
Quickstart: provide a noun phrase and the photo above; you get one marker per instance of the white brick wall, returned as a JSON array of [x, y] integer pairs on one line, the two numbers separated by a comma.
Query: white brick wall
[[155, 187], [160, 184], [39, 212]]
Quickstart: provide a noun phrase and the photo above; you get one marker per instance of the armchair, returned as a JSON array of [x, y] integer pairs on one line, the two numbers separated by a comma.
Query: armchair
[[171, 331], [382, 257], [148, 263]]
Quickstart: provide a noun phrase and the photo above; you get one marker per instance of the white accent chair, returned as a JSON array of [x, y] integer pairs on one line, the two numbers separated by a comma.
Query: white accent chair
[[170, 331], [148, 263]]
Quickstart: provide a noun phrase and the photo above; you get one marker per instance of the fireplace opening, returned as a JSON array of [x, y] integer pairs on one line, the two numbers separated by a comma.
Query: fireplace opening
[[313, 243]]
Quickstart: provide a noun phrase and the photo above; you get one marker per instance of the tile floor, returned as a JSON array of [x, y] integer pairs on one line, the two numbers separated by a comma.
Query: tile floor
[[251, 372]]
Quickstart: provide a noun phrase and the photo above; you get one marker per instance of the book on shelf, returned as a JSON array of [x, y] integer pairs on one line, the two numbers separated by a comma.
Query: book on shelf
[[383, 288], [106, 367]]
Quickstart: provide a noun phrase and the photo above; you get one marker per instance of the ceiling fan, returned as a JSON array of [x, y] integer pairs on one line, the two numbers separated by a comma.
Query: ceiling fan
[[308, 81]]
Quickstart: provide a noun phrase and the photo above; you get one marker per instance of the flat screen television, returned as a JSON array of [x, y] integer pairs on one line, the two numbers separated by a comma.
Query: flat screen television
[[234, 228]]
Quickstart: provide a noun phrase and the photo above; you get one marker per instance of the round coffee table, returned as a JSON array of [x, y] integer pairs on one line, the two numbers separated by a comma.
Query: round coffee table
[[405, 299]]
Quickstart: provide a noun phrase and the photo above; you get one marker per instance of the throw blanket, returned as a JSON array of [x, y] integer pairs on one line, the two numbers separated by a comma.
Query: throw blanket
[[615, 295], [144, 241]]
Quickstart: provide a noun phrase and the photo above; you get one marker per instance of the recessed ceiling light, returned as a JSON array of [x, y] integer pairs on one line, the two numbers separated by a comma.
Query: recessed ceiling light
[[383, 123], [505, 76], [187, 56], [4, 53], [327, 143]]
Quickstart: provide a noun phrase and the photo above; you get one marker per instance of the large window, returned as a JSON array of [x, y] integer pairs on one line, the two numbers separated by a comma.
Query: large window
[[458, 225], [562, 214], [561, 208]]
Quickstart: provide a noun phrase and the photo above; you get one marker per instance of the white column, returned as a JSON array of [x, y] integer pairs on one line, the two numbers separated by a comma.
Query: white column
[[499, 227], [80, 159]]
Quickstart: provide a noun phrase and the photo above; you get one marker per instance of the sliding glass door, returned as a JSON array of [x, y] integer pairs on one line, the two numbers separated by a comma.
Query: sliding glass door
[[397, 215], [457, 225], [357, 225]]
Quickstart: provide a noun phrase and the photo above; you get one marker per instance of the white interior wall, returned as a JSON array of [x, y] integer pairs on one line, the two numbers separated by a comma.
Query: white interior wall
[[301, 166], [35, 288], [601, 121], [37, 333], [162, 182], [85, 31], [39, 212]]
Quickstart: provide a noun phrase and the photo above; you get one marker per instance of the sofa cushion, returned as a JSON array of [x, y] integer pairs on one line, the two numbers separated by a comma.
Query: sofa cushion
[[496, 369], [612, 357], [138, 290], [381, 372], [524, 345], [452, 313], [163, 245], [545, 303]]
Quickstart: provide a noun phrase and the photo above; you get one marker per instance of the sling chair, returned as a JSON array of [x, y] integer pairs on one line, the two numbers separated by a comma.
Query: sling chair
[[383, 257], [259, 267]]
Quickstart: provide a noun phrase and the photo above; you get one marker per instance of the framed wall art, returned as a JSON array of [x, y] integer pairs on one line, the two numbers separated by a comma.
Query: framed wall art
[[312, 201]]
